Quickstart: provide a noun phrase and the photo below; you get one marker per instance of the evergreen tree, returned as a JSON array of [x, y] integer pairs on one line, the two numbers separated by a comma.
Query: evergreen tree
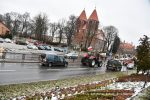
[[115, 45], [143, 55]]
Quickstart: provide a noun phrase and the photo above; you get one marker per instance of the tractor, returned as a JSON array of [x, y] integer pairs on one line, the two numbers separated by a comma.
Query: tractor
[[90, 60]]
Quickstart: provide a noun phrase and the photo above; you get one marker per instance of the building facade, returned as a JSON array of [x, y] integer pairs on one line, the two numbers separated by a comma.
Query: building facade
[[88, 32], [126, 48], [3, 29]]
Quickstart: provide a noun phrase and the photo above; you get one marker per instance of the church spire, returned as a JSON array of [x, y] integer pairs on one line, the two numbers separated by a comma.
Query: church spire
[[83, 15], [94, 16]]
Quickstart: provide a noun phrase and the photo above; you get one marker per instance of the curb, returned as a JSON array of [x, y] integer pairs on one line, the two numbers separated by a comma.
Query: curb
[[11, 61]]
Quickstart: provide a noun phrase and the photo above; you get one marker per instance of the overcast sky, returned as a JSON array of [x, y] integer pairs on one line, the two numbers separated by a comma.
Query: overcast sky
[[130, 17]]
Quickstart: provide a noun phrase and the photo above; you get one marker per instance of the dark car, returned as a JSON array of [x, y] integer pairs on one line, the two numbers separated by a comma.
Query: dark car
[[40, 47], [47, 47], [114, 65], [53, 60]]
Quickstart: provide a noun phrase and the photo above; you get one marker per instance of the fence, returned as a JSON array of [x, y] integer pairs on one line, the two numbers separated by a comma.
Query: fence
[[11, 56]]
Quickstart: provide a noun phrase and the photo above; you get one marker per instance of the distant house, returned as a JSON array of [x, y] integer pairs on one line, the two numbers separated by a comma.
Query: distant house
[[3, 29], [56, 38], [126, 48]]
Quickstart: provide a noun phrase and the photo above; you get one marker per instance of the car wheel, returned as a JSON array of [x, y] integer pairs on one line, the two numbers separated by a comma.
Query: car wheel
[[49, 64], [83, 61], [42, 64], [100, 64], [83, 64], [107, 68], [65, 65]]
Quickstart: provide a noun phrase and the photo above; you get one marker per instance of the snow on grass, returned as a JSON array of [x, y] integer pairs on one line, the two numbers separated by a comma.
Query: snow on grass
[[136, 86]]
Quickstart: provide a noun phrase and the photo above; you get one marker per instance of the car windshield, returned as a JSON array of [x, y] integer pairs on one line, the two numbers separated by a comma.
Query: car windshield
[[61, 59], [50, 57]]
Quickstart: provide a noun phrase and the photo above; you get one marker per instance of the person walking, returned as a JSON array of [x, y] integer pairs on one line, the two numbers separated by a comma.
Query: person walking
[[124, 66]]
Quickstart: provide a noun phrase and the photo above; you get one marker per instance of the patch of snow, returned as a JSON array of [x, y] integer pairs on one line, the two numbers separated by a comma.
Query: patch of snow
[[136, 86]]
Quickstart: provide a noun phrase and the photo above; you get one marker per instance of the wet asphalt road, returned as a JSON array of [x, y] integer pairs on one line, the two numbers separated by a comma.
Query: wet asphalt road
[[12, 73]]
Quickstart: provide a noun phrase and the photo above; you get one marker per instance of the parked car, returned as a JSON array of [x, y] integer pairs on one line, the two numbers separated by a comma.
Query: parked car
[[57, 49], [130, 65], [47, 47], [114, 65], [7, 40], [1, 40], [53, 60], [37, 43], [22, 42], [40, 47], [31, 46], [72, 55]]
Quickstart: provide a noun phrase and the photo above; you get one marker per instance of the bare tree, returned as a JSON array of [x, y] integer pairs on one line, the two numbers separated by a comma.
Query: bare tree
[[1, 18], [110, 34], [30, 29], [92, 29], [61, 25], [53, 28], [70, 28], [41, 26], [25, 23], [15, 23], [7, 20]]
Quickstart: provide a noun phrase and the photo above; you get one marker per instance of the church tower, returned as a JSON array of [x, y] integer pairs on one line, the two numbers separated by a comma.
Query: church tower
[[81, 29], [86, 29], [92, 28], [93, 21], [81, 21]]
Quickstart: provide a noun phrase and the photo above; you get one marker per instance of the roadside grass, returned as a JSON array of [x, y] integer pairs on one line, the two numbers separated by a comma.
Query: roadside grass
[[26, 89]]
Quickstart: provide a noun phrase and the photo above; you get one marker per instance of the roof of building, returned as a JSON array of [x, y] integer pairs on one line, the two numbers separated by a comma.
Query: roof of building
[[94, 16], [4, 25], [127, 45], [83, 15]]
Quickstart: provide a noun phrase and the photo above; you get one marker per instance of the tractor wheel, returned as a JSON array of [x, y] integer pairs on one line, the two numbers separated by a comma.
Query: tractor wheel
[[83, 61], [92, 63]]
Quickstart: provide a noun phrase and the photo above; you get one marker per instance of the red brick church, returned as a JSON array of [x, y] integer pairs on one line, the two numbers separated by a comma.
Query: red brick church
[[88, 32]]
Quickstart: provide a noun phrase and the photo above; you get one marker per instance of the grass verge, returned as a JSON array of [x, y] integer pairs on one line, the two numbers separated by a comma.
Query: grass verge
[[15, 90]]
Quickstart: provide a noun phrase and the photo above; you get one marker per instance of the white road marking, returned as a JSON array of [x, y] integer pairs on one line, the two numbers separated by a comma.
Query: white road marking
[[7, 70]]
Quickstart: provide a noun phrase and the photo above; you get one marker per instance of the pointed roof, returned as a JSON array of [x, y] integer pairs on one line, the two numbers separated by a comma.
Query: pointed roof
[[83, 15], [4, 26], [94, 16]]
